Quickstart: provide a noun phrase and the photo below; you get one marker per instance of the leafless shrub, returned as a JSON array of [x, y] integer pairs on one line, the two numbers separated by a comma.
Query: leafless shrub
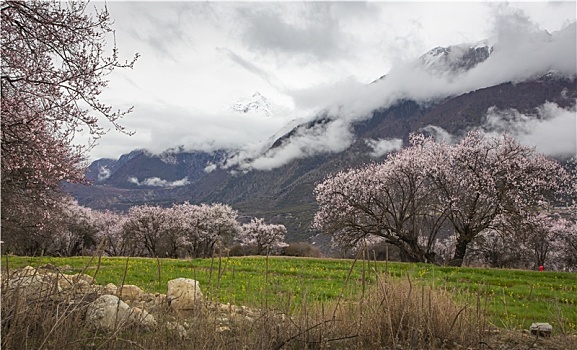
[[302, 249]]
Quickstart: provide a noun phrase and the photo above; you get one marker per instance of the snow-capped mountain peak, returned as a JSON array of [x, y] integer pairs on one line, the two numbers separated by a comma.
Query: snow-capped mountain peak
[[457, 58], [256, 103]]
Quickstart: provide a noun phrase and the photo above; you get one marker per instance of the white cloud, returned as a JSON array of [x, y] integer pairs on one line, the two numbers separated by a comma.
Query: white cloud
[[210, 168], [552, 131], [158, 182], [134, 180], [329, 137], [383, 146], [103, 173], [165, 128], [295, 28], [439, 134]]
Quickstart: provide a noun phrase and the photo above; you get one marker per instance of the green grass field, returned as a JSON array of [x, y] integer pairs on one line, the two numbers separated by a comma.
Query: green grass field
[[514, 298]]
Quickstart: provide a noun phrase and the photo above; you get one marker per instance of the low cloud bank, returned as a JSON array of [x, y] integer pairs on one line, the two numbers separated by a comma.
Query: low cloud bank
[[438, 134], [383, 146], [552, 130], [158, 182], [331, 137]]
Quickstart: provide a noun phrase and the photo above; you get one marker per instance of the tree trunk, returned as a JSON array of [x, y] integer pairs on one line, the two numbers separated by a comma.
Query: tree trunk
[[460, 251], [407, 256], [410, 251]]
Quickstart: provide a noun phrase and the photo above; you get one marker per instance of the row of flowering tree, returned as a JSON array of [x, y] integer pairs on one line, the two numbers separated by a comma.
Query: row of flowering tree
[[194, 230], [429, 191], [178, 231]]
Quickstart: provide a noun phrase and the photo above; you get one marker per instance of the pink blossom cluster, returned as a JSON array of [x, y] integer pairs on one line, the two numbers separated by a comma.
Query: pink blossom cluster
[[267, 238]]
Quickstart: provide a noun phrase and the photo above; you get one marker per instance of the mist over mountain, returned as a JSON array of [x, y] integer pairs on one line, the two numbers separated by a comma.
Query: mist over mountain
[[526, 88]]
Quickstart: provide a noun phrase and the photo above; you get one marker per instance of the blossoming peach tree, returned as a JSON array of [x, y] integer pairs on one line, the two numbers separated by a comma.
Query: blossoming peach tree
[[392, 200], [54, 65], [266, 238], [480, 184]]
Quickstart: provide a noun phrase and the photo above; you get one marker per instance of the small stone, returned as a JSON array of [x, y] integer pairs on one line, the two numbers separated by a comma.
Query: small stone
[[66, 268], [159, 299], [139, 303], [110, 288], [25, 271], [222, 329], [65, 281], [34, 286], [174, 326], [83, 277], [83, 284], [541, 329], [81, 281], [109, 312], [48, 266], [142, 317], [130, 291]]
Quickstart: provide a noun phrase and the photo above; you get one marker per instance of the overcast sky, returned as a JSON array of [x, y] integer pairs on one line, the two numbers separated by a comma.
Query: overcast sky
[[199, 58]]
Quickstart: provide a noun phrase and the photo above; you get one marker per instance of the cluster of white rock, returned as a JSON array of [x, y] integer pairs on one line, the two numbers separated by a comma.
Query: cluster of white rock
[[116, 307]]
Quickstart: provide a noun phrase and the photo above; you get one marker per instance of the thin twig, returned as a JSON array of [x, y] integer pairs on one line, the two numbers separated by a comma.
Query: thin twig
[[345, 284], [99, 251], [284, 342], [159, 276], [124, 276]]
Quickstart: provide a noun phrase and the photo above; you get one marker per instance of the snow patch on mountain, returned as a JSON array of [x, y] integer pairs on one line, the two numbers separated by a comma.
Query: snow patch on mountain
[[168, 157], [256, 103], [456, 59]]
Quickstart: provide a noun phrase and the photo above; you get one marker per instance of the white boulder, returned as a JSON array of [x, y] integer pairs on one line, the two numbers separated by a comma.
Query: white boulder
[[109, 312], [142, 317], [183, 294]]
